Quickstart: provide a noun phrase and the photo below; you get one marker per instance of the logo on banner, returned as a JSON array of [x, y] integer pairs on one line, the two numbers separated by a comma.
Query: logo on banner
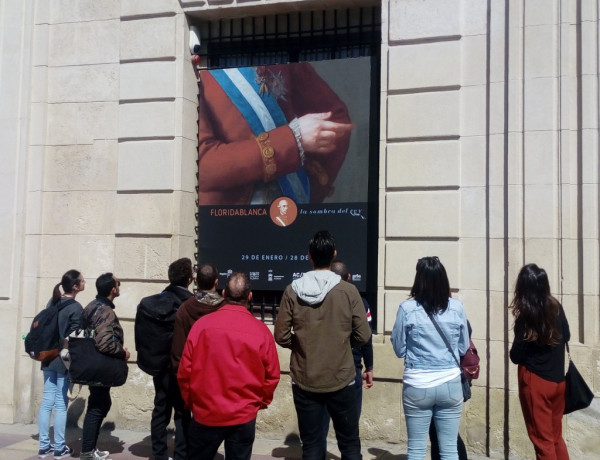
[[283, 211]]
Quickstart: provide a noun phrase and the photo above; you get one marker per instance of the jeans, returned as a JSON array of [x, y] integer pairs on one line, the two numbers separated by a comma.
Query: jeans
[[444, 403], [311, 408], [98, 406], [358, 384], [56, 386], [166, 399], [204, 441]]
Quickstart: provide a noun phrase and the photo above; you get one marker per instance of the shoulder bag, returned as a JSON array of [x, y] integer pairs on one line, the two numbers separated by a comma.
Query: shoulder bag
[[577, 393], [469, 363], [88, 366], [466, 385]]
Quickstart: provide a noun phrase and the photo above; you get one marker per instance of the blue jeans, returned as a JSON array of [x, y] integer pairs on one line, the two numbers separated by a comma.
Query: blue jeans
[[56, 386], [443, 403]]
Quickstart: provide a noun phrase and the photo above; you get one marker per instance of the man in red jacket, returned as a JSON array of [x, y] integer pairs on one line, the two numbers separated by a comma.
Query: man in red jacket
[[228, 372]]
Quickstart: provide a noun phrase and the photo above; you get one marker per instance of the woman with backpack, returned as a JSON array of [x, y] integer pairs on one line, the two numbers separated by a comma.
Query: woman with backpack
[[56, 383]]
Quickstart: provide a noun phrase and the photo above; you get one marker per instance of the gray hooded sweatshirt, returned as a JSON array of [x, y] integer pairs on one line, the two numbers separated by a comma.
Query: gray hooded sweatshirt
[[315, 285]]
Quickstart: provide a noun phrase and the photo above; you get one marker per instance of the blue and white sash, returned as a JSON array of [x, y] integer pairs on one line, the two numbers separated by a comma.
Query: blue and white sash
[[262, 112]]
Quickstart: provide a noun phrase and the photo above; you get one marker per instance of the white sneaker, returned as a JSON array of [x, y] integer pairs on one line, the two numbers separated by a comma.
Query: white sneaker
[[101, 455]]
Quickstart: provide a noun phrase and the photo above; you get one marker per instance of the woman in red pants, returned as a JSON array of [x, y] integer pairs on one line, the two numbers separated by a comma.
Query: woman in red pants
[[541, 331]]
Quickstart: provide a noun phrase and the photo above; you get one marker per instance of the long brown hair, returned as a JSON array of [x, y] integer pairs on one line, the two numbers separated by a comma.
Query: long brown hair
[[534, 309]]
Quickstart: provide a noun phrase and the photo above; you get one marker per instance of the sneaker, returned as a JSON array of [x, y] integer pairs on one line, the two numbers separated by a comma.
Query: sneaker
[[43, 453], [63, 453], [94, 455], [100, 454]]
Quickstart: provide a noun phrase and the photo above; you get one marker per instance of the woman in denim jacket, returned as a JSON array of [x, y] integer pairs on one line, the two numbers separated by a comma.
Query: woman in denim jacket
[[431, 381]]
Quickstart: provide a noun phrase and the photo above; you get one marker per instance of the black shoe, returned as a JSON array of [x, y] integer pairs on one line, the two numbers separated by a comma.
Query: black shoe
[[43, 453], [63, 453]]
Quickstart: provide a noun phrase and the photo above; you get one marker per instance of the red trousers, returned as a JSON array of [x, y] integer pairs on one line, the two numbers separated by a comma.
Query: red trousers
[[543, 404]]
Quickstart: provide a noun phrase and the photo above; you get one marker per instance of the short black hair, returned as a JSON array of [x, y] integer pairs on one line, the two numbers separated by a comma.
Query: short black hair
[[105, 283], [238, 288], [321, 248], [180, 272], [207, 275]]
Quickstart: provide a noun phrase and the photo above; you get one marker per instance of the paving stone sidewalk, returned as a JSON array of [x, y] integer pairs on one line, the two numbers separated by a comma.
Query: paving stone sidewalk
[[20, 442]]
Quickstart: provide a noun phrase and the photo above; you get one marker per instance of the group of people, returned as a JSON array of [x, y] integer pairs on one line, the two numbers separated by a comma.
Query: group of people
[[432, 396], [221, 365]]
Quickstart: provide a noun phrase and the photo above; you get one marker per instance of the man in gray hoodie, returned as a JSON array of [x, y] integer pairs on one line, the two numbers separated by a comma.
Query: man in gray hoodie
[[320, 319]]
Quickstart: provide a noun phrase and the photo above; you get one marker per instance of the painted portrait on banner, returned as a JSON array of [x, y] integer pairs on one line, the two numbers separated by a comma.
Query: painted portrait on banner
[[275, 142]]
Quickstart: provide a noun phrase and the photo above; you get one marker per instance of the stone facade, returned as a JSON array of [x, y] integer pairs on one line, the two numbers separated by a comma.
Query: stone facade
[[488, 144]]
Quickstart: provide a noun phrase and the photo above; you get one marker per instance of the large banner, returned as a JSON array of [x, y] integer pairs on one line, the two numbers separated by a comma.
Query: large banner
[[283, 152]]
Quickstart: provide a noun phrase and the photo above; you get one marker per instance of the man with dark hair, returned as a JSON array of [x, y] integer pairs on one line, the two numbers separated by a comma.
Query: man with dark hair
[[105, 283], [320, 318], [205, 301], [154, 323], [228, 372], [99, 317], [181, 273]]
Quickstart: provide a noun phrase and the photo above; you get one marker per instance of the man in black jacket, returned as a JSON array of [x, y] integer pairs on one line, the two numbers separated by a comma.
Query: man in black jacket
[[153, 336]]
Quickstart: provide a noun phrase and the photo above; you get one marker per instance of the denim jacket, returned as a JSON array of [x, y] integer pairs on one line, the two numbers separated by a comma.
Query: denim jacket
[[415, 338]]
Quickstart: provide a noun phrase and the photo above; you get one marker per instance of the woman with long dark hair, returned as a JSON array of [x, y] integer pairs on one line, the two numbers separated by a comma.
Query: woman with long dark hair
[[541, 331], [431, 381], [56, 384]]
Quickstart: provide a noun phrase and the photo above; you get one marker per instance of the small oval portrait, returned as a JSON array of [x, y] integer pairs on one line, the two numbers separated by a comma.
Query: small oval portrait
[[283, 211]]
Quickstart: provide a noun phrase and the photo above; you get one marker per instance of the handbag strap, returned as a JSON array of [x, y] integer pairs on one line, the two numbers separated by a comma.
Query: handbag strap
[[88, 320], [568, 351], [437, 326]]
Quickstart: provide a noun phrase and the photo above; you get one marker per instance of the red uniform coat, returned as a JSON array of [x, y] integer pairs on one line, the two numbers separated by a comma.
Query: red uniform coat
[[230, 161], [229, 368]]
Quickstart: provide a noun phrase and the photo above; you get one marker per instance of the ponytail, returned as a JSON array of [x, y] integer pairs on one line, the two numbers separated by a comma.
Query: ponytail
[[56, 293]]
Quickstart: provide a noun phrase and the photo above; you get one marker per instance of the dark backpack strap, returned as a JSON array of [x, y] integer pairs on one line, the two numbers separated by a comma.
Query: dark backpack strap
[[437, 326], [61, 305]]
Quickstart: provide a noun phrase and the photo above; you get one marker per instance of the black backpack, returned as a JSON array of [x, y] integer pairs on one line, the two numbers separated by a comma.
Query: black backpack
[[154, 322], [43, 342]]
